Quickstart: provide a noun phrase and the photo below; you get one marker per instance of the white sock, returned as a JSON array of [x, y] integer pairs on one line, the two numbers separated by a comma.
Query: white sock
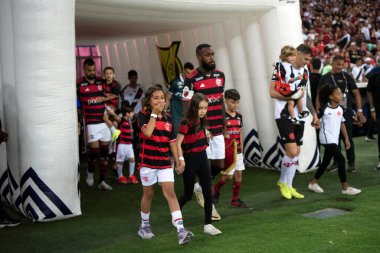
[[285, 163], [112, 128], [144, 219], [119, 170], [197, 187], [131, 168], [291, 172], [177, 219]]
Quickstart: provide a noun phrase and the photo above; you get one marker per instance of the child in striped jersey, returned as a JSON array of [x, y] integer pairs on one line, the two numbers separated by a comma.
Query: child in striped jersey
[[124, 147], [111, 90], [332, 123], [157, 141], [192, 144], [234, 163]]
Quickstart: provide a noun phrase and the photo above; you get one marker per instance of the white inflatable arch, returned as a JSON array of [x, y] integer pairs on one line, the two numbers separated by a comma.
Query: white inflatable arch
[[39, 164]]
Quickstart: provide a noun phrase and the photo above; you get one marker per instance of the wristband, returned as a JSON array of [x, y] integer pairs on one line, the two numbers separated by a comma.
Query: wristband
[[360, 110], [152, 115], [181, 158], [373, 109]]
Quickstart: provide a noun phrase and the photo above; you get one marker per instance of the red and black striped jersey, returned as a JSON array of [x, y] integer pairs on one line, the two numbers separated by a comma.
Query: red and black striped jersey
[[112, 88], [88, 94], [155, 150], [234, 128], [212, 86], [194, 137], [125, 132]]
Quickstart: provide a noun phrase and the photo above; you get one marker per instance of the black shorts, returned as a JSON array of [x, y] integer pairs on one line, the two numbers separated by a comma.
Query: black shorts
[[289, 132]]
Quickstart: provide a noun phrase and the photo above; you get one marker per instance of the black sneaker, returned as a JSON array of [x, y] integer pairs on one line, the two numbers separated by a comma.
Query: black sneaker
[[333, 167], [215, 197], [351, 168], [9, 222], [303, 114], [239, 203]]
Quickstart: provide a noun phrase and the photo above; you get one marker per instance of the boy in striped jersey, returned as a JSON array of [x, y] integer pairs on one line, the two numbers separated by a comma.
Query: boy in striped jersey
[[124, 147], [234, 121]]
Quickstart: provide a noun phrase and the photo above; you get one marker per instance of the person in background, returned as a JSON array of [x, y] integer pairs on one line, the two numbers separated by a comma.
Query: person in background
[[174, 95], [373, 96]]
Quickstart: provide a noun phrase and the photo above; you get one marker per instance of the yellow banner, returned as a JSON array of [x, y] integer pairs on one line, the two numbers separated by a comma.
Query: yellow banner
[[170, 63]]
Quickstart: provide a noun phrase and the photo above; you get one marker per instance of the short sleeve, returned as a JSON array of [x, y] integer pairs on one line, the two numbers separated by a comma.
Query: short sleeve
[[142, 119], [183, 128]]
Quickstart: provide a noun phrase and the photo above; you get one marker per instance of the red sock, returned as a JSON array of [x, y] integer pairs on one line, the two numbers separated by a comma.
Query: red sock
[[219, 185], [236, 191]]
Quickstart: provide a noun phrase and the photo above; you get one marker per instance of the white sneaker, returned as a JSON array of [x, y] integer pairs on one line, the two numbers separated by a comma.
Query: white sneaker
[[90, 179], [215, 216], [145, 232], [315, 188], [211, 230], [104, 186], [351, 191], [378, 167]]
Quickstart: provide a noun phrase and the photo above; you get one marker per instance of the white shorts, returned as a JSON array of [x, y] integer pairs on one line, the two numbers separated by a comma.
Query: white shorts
[[150, 176], [98, 132], [124, 152], [239, 164], [216, 149]]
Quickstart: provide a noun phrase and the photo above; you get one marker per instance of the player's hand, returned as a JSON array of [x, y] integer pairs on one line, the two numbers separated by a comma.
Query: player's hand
[[347, 143], [180, 167], [316, 122], [373, 115], [361, 117]]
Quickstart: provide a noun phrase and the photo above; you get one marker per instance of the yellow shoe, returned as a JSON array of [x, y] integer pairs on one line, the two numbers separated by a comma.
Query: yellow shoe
[[295, 194], [115, 135], [284, 190], [215, 216], [199, 198]]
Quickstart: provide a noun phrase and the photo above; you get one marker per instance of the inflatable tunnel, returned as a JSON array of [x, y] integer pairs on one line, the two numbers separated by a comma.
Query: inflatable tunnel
[[39, 164]]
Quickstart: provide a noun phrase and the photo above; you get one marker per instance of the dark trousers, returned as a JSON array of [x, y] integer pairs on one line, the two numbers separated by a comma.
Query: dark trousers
[[197, 165], [350, 154], [332, 150]]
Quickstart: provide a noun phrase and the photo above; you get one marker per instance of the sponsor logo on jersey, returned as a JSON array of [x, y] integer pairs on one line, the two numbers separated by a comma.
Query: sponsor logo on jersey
[[216, 75], [213, 100], [218, 82], [292, 136], [100, 87], [199, 78], [339, 113], [93, 101], [202, 85], [167, 126], [87, 89]]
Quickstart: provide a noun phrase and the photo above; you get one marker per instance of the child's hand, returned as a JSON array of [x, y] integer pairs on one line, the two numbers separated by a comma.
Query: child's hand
[[299, 77], [179, 168], [158, 108], [347, 143]]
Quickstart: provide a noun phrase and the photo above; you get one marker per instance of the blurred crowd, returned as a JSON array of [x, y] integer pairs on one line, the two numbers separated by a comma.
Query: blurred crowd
[[350, 28]]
